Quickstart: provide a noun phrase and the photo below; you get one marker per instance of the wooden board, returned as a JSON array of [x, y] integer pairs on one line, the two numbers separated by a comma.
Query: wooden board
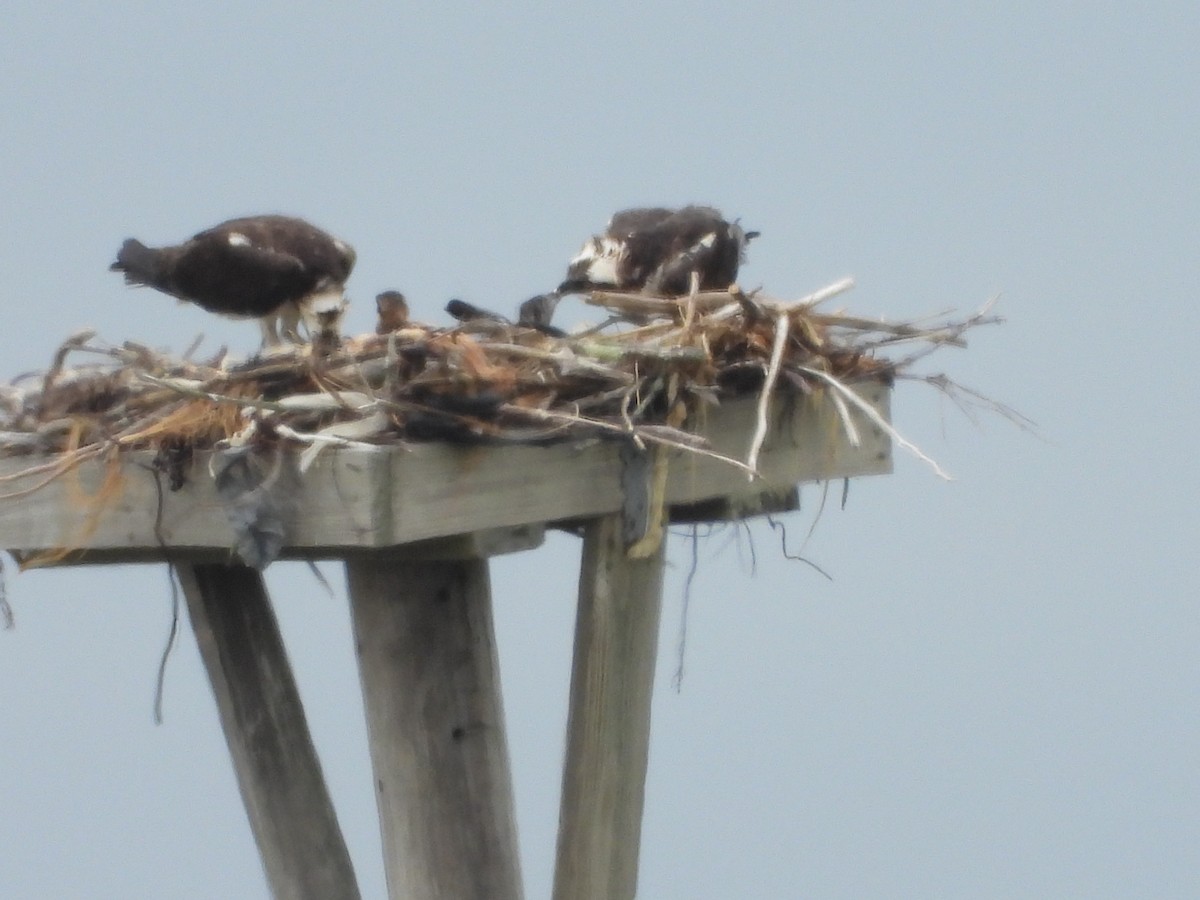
[[389, 496], [608, 726], [426, 652], [290, 811]]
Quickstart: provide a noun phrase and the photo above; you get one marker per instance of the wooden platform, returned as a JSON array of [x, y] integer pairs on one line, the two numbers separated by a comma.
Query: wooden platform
[[363, 499]]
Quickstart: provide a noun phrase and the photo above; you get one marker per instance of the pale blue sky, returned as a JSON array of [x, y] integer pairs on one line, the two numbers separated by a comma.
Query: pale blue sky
[[997, 694]]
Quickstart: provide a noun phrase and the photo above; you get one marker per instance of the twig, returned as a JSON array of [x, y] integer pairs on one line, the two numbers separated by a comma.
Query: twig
[[321, 579], [847, 420], [160, 682], [193, 347], [795, 557], [681, 643], [74, 342], [172, 633], [59, 467], [650, 305], [782, 323], [825, 293], [628, 419], [689, 314], [193, 389], [953, 389], [872, 414], [812, 529], [654, 434]]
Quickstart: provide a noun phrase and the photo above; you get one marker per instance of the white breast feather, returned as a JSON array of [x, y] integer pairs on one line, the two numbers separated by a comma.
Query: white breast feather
[[602, 255], [603, 270], [600, 248]]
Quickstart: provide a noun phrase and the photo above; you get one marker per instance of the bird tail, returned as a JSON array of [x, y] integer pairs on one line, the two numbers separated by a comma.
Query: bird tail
[[139, 263]]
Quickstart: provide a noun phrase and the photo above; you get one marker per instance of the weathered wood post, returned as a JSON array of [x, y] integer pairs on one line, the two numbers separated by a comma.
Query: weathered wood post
[[431, 687], [292, 818], [608, 727]]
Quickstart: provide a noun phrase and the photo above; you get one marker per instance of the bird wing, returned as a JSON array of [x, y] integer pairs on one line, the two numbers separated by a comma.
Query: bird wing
[[279, 263], [627, 221], [673, 275], [231, 273]]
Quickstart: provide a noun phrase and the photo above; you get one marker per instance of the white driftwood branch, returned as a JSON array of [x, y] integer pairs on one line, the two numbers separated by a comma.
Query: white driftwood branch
[[782, 323]]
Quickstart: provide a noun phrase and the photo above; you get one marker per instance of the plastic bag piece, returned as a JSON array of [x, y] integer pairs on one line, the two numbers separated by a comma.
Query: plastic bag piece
[[257, 488]]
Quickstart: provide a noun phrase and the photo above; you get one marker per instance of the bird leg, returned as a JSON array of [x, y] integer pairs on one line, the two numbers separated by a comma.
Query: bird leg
[[289, 322], [322, 315], [270, 337]]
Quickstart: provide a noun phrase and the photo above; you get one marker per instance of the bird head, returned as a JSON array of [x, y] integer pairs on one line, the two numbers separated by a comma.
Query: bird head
[[322, 312], [536, 312], [392, 311], [741, 237]]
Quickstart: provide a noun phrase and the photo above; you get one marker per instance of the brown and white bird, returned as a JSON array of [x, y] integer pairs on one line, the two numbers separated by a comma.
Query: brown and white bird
[[656, 250], [391, 310], [277, 269]]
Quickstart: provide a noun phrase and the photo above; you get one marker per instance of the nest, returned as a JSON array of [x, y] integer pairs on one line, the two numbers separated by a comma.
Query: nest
[[637, 376]]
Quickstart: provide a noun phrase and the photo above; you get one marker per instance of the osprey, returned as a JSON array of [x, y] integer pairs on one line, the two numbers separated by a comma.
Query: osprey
[[656, 250], [273, 268], [392, 310]]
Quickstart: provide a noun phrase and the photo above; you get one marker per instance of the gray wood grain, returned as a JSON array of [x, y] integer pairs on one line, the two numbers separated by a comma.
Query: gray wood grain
[[291, 814], [389, 496], [608, 728], [431, 687]]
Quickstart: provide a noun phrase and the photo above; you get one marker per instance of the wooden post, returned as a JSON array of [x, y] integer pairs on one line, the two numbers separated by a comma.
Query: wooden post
[[608, 727], [431, 686], [290, 812]]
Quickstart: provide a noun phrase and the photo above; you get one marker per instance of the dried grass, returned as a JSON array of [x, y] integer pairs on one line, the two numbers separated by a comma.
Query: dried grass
[[482, 381]]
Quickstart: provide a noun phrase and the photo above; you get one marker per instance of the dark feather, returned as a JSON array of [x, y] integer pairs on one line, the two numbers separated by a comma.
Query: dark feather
[[139, 263], [243, 267], [628, 221], [657, 250], [467, 312], [536, 312]]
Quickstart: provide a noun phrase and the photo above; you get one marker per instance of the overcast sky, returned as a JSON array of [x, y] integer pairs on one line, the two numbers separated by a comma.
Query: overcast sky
[[995, 696]]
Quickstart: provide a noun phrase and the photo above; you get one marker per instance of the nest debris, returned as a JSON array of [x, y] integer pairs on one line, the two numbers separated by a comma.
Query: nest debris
[[482, 381]]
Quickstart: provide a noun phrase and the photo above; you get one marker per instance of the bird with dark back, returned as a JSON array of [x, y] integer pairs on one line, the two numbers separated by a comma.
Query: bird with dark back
[[277, 269]]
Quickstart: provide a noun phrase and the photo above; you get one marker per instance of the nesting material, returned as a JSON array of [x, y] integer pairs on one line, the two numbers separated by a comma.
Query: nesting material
[[640, 377]]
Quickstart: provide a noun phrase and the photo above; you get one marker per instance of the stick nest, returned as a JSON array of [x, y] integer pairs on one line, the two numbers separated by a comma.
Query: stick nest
[[637, 375]]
